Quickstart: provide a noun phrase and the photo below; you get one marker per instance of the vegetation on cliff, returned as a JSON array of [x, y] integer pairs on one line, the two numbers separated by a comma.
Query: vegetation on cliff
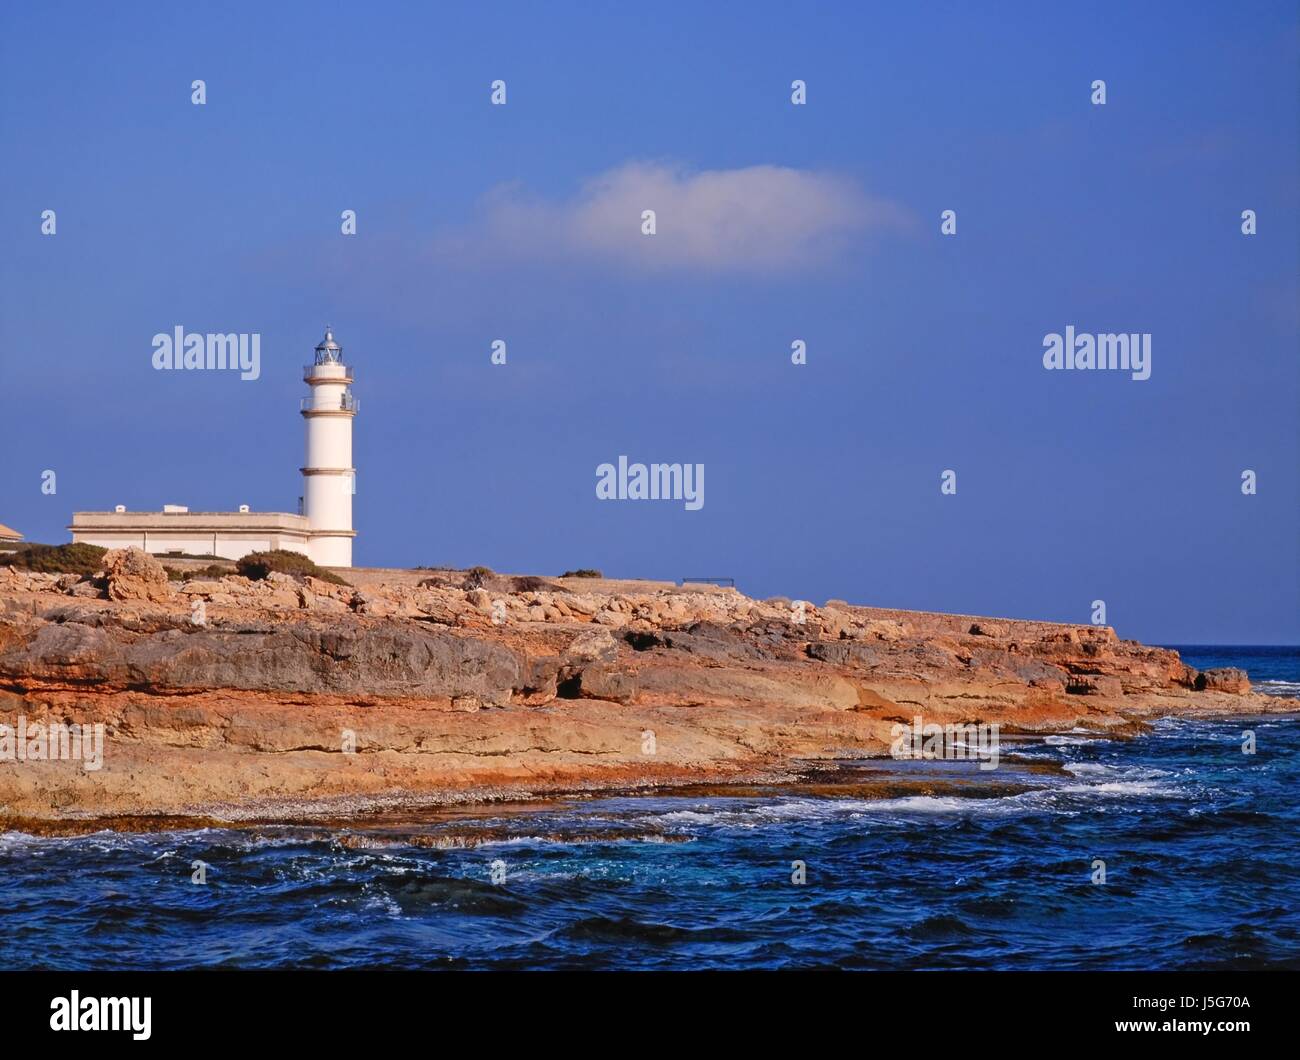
[[258, 565], [58, 559]]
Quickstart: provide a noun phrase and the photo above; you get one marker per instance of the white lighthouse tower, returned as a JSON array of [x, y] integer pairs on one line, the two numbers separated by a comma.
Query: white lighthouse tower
[[329, 479]]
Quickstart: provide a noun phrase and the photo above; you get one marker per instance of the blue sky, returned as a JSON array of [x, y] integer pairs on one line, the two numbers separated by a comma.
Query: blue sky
[[778, 222]]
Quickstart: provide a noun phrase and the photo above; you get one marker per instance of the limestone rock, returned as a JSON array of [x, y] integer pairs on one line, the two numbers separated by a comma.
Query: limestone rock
[[480, 600], [1094, 685], [245, 712], [201, 587], [592, 646], [12, 580], [321, 587], [132, 574], [1223, 679], [310, 601]]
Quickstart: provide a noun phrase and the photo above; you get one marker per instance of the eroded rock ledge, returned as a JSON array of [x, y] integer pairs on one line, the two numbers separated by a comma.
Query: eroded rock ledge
[[292, 699]]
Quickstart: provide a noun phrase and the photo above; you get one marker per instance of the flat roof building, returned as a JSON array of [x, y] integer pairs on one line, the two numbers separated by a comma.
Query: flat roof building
[[229, 535]]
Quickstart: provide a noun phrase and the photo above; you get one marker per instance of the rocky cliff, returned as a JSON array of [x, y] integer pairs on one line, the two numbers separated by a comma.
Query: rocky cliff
[[278, 699]]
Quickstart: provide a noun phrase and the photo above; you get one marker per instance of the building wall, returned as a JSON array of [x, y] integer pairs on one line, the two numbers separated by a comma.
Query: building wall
[[227, 545]]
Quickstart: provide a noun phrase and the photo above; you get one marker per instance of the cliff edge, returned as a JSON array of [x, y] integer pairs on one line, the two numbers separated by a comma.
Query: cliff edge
[[280, 699]]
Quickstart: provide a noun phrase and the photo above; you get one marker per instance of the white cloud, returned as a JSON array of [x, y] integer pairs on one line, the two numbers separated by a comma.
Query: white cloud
[[754, 219]]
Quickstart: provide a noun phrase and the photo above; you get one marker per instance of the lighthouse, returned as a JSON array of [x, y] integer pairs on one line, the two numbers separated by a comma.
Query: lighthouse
[[322, 527], [329, 479]]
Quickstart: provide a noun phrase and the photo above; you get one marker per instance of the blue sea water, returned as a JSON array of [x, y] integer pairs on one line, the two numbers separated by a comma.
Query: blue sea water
[[1201, 845]]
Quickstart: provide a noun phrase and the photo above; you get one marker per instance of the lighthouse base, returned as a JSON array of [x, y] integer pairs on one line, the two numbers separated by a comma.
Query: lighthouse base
[[331, 550]]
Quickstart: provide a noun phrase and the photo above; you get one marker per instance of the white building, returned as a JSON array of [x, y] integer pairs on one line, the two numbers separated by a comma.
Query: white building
[[321, 530]]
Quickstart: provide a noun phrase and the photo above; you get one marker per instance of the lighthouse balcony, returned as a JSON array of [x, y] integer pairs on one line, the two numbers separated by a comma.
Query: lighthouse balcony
[[345, 404], [327, 373]]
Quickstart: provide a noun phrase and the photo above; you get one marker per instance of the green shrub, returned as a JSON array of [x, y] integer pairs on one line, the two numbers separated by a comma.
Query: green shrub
[[257, 565], [530, 583], [77, 558], [582, 572], [212, 570]]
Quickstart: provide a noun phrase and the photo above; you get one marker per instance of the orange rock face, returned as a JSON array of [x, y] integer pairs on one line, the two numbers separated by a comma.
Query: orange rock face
[[132, 574], [281, 700]]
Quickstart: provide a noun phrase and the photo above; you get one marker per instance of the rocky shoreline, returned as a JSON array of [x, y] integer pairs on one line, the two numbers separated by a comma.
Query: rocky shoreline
[[225, 699]]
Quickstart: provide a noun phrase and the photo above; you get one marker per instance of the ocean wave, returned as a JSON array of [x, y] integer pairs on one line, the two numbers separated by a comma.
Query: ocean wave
[[629, 929], [108, 841], [1124, 787], [1050, 799], [383, 904], [1100, 769], [1277, 688]]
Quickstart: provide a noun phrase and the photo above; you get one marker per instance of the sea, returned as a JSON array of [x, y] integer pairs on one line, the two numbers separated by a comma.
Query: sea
[[1177, 849]]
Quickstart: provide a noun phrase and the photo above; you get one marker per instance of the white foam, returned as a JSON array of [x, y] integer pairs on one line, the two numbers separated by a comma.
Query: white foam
[[1100, 769], [1278, 688], [1122, 787]]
